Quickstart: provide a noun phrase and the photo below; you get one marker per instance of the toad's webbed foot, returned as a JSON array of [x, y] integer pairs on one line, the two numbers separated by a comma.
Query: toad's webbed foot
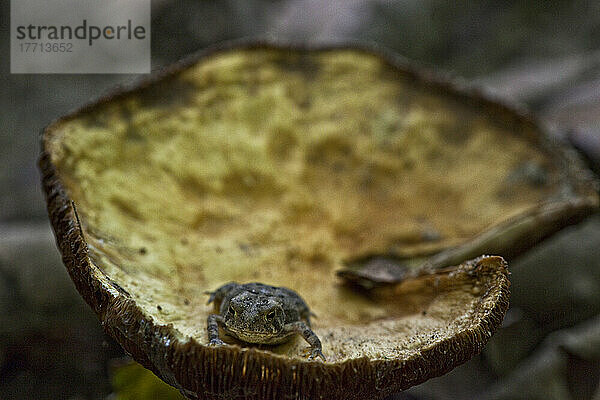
[[216, 342], [314, 353]]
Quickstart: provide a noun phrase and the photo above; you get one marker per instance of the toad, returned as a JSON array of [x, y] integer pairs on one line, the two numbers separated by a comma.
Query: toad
[[259, 313]]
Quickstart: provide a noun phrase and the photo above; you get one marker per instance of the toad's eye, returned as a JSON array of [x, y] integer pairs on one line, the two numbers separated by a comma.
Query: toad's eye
[[270, 316], [231, 310]]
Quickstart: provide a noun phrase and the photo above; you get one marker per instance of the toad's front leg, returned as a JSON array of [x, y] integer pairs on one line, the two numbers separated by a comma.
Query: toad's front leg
[[212, 325], [308, 335]]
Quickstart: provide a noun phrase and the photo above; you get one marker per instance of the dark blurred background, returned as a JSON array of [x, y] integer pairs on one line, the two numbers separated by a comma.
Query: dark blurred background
[[543, 54]]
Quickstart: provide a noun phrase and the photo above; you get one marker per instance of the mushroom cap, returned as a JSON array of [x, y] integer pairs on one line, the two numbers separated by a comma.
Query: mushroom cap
[[282, 165]]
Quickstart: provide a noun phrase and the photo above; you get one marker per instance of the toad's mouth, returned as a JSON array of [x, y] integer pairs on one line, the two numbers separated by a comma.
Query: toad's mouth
[[257, 336]]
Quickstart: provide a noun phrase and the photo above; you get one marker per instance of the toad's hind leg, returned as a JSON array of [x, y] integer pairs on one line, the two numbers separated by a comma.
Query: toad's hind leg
[[218, 295], [308, 335]]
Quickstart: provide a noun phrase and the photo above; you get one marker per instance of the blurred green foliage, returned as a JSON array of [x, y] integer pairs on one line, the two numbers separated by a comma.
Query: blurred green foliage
[[131, 381]]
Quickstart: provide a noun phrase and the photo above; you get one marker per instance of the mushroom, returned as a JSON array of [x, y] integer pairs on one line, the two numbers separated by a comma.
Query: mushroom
[[285, 165]]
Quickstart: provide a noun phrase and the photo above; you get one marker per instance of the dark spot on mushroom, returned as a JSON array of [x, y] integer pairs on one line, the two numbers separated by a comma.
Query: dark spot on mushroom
[[244, 247], [143, 250], [126, 208], [159, 308], [409, 165], [305, 103]]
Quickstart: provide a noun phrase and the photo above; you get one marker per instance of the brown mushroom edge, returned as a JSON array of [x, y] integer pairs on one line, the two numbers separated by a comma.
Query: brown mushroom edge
[[377, 343], [449, 315]]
